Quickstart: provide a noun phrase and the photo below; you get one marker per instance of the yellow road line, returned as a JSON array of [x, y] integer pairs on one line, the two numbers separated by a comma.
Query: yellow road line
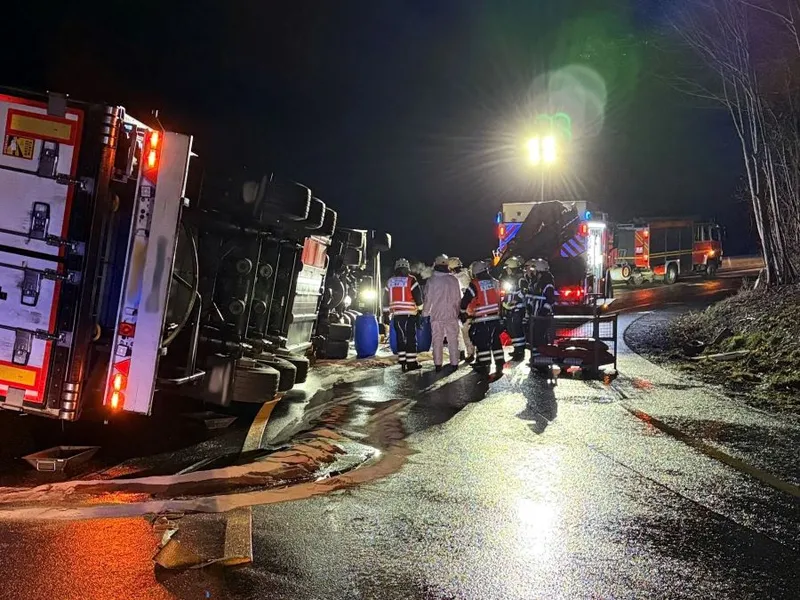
[[708, 449]]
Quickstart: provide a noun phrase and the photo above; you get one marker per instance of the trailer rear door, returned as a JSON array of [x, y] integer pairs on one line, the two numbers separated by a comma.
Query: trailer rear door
[[37, 164]]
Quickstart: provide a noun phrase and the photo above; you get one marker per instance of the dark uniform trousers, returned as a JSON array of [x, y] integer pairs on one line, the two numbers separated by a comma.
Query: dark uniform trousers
[[405, 328], [486, 337]]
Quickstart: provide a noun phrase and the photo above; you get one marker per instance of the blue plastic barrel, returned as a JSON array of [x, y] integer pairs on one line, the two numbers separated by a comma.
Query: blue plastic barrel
[[392, 337], [366, 336], [424, 336]]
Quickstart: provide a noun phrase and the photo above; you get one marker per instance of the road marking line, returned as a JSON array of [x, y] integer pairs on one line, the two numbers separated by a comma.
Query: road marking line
[[708, 449], [238, 545]]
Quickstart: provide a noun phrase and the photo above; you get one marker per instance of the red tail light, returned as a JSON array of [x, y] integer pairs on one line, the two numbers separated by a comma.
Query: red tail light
[[152, 153], [572, 294], [583, 230], [116, 398]]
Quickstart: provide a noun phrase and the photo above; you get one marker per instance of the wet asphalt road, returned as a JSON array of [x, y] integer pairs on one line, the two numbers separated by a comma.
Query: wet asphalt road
[[516, 490]]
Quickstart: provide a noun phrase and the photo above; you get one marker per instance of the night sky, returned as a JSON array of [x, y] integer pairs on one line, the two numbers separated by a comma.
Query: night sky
[[405, 115]]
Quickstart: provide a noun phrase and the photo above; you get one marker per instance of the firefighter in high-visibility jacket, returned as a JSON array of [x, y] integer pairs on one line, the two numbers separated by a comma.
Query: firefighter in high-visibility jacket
[[482, 296], [403, 303], [514, 306], [542, 300]]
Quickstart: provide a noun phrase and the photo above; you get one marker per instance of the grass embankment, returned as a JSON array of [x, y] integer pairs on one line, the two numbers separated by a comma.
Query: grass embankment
[[766, 324]]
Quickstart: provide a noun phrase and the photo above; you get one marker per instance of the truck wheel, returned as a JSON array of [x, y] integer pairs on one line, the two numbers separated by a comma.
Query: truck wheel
[[336, 350], [255, 384], [316, 214], [711, 270], [289, 198], [353, 238], [328, 223], [287, 370], [381, 241], [340, 332], [300, 364], [625, 272], [672, 275]]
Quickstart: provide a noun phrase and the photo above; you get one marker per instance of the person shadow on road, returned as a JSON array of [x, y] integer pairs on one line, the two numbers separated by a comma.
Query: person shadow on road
[[541, 406]]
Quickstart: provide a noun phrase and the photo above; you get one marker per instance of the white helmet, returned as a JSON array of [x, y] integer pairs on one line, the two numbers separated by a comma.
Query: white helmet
[[402, 263], [441, 261], [478, 267], [540, 265], [513, 262], [455, 263]]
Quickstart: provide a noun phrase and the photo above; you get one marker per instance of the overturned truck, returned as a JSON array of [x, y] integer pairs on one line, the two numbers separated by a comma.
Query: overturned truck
[[114, 285]]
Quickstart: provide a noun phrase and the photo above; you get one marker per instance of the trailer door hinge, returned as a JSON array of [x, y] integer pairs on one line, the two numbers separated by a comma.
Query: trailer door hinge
[[32, 282], [65, 179], [23, 341]]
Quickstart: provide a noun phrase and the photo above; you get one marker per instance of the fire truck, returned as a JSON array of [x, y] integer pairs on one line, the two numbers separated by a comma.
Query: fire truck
[[572, 236], [665, 249], [114, 285]]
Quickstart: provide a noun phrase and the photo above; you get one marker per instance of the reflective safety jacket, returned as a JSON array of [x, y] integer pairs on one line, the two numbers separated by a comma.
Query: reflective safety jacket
[[402, 295], [514, 298], [543, 295], [482, 300]]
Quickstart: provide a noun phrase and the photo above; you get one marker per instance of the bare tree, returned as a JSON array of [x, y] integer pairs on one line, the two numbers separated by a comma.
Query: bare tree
[[744, 43]]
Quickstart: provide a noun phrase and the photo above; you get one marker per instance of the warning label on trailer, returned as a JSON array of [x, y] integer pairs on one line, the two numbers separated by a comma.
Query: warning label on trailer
[[18, 147]]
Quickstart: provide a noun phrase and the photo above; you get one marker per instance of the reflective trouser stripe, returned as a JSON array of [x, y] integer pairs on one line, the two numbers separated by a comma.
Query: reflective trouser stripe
[[411, 358]]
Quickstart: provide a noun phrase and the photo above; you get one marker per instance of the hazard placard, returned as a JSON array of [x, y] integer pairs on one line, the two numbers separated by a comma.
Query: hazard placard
[[19, 147]]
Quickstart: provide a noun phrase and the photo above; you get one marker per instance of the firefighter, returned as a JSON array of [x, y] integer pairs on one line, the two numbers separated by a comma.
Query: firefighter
[[442, 298], [514, 305], [483, 297], [543, 299], [465, 346], [403, 302]]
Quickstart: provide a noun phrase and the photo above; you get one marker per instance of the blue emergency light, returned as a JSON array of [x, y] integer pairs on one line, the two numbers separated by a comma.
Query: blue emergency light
[[587, 216], [499, 218]]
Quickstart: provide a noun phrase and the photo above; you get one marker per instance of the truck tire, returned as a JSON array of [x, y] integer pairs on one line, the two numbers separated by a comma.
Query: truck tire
[[625, 271], [381, 241], [336, 350], [671, 275], [352, 257], [291, 199], [352, 238], [255, 385], [340, 332], [328, 223], [316, 214], [711, 270], [300, 363], [287, 370]]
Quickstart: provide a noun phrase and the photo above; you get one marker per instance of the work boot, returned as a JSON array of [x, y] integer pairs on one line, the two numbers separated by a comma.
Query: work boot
[[438, 368], [403, 367], [469, 359], [462, 355], [519, 354], [413, 366], [498, 370]]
